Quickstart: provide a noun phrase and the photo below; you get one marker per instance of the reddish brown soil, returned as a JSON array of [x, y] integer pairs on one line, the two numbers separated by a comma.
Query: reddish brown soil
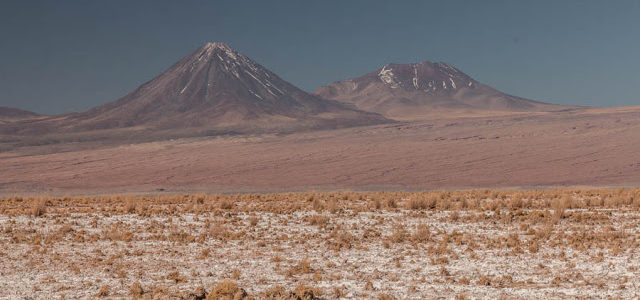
[[596, 147]]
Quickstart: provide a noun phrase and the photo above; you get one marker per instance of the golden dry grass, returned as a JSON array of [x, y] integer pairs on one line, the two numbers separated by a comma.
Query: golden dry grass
[[386, 245], [555, 200]]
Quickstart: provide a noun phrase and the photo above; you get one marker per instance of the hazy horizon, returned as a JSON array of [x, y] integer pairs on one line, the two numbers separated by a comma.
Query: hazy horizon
[[67, 56]]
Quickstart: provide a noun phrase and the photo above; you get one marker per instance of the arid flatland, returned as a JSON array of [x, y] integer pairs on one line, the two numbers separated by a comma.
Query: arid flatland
[[385, 245], [590, 147]]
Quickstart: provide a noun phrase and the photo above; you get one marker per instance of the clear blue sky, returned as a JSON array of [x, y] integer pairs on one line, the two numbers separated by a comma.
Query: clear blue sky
[[60, 56]]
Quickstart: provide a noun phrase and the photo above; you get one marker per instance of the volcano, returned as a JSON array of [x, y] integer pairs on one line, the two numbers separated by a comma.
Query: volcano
[[218, 88], [405, 91]]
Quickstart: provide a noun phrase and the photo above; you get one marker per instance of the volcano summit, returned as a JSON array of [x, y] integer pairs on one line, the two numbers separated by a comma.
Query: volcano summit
[[406, 91], [217, 87]]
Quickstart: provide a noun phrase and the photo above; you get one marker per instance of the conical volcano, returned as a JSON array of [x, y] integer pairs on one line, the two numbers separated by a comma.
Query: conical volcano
[[217, 87]]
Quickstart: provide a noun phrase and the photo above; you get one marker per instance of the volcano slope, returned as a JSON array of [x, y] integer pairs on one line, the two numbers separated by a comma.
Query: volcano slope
[[217, 87], [213, 91], [424, 90], [581, 147]]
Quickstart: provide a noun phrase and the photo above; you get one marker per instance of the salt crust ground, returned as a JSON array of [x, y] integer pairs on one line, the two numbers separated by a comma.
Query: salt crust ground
[[459, 253]]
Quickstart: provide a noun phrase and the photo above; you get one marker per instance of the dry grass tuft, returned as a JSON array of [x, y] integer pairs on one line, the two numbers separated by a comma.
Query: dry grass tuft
[[304, 292], [130, 205], [333, 206], [303, 267], [420, 203], [176, 277], [104, 291], [227, 290], [226, 204], [39, 207], [253, 220], [399, 234], [136, 290], [385, 297]]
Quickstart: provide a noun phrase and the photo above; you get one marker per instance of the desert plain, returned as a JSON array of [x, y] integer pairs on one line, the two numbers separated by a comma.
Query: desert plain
[[595, 147], [516, 206], [488, 244]]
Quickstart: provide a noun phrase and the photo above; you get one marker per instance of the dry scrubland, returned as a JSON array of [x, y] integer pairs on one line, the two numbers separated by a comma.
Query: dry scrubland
[[384, 245]]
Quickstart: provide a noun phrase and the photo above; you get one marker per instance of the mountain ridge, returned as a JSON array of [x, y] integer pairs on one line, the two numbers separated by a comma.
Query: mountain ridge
[[399, 90], [11, 112]]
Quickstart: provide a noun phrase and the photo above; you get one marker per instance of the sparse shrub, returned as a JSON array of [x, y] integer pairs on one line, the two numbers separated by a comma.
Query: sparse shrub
[[303, 267], [116, 234], [104, 291], [66, 228], [220, 232], [39, 207], [235, 274], [385, 297], [339, 239], [227, 290], [338, 292], [421, 203], [332, 206], [557, 281], [513, 240], [559, 206], [516, 202], [304, 292], [399, 234], [391, 203], [317, 204], [276, 293], [136, 290], [253, 221], [204, 253], [226, 204], [176, 277], [199, 293], [368, 286], [444, 272], [318, 220], [461, 297], [533, 247], [483, 280], [130, 205], [454, 216], [377, 204]]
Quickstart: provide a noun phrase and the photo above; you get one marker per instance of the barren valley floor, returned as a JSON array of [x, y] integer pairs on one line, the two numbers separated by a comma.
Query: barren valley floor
[[590, 147]]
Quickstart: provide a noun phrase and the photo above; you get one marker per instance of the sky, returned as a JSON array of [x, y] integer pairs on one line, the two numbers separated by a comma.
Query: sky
[[63, 56]]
